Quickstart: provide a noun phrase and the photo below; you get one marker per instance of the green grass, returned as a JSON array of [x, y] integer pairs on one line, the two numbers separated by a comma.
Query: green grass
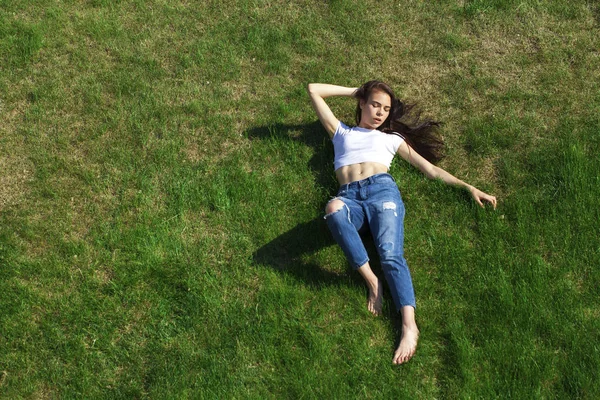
[[163, 179]]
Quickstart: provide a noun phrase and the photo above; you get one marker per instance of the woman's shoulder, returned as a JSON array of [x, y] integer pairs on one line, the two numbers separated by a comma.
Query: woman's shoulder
[[342, 129]]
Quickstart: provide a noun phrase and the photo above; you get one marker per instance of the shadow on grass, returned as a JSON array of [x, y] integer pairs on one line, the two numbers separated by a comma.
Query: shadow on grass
[[290, 252], [287, 254], [312, 135]]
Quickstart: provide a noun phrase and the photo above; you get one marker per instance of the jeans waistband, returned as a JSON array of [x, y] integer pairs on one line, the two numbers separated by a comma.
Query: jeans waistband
[[377, 178]]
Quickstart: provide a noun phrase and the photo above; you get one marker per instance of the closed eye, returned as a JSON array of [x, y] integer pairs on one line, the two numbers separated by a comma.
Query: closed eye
[[378, 105]]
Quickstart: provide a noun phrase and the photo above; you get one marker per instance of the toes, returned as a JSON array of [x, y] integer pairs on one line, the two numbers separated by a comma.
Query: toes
[[401, 356], [398, 358]]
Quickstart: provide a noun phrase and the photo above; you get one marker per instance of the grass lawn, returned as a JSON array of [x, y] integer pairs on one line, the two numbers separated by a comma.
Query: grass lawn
[[163, 179]]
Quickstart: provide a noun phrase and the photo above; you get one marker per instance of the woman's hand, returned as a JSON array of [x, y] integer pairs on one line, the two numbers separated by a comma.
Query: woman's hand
[[480, 197], [434, 172]]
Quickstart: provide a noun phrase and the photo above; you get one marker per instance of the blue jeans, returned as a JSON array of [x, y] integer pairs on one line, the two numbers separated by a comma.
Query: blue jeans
[[374, 204]]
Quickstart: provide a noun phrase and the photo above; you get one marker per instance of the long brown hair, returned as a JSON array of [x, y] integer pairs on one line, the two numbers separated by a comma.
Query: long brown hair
[[405, 121]]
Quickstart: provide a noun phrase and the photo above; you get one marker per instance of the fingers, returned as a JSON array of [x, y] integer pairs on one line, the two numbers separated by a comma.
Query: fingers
[[492, 201], [479, 195]]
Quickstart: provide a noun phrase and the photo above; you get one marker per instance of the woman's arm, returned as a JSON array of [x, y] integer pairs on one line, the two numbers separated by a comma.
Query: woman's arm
[[318, 92], [433, 172]]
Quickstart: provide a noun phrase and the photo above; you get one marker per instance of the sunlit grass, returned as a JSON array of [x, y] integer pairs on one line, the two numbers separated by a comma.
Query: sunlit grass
[[163, 179]]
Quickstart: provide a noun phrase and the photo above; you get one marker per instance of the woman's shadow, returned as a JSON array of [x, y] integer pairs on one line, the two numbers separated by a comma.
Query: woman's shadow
[[288, 253], [312, 135]]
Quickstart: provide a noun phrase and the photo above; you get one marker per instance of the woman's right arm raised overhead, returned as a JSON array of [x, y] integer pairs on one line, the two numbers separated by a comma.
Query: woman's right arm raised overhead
[[318, 92]]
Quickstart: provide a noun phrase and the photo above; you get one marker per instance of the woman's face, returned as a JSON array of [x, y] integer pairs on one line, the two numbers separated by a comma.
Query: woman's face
[[375, 110]]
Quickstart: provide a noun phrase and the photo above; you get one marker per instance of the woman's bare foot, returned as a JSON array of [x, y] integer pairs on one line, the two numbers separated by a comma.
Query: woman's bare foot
[[375, 300], [408, 344]]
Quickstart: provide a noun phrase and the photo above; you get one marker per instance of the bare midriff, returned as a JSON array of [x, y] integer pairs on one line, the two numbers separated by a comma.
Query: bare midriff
[[357, 172]]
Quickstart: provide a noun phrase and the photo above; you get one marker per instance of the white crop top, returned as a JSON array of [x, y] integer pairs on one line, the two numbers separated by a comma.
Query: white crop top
[[356, 145]]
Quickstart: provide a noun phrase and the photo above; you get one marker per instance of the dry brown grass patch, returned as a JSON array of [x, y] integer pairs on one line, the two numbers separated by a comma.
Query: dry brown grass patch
[[103, 274], [16, 173]]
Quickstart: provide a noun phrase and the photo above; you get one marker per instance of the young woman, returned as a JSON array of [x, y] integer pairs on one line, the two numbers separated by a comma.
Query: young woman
[[368, 198]]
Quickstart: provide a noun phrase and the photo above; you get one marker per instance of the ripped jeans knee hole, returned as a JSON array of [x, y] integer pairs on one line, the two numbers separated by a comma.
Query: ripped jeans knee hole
[[338, 210]]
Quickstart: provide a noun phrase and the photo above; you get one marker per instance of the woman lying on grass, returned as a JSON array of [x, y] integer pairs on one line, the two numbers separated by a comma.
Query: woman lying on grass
[[368, 198]]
